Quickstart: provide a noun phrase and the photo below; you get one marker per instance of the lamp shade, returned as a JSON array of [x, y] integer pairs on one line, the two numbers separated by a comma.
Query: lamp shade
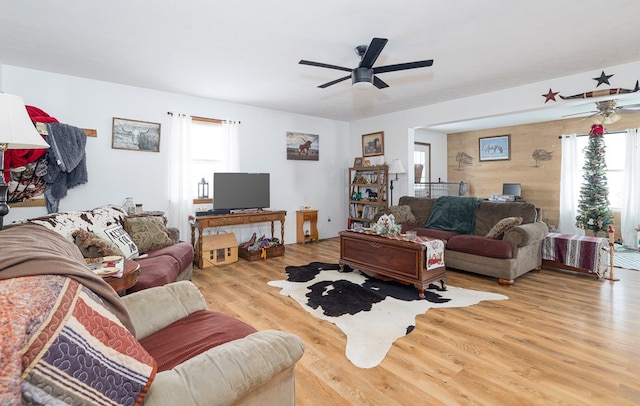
[[16, 129], [396, 167]]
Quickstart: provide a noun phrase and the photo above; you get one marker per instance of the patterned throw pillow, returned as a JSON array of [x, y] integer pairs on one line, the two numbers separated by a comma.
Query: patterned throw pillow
[[503, 226], [148, 232], [92, 246], [117, 235], [402, 214]]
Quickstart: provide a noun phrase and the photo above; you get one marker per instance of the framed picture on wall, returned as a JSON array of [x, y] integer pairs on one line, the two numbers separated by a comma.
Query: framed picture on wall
[[135, 135], [373, 144], [496, 148]]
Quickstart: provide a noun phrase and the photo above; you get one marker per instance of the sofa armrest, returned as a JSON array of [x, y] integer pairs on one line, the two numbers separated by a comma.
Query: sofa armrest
[[525, 234], [228, 372], [153, 309]]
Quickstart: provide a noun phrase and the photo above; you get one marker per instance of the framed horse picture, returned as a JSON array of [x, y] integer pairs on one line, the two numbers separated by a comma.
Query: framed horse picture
[[495, 148], [373, 144], [303, 147]]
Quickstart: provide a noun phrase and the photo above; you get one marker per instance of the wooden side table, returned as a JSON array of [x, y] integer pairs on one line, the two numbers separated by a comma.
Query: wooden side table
[[128, 279], [303, 216]]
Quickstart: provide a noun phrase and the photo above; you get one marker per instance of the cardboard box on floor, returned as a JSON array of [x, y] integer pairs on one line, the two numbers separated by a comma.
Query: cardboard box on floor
[[219, 249]]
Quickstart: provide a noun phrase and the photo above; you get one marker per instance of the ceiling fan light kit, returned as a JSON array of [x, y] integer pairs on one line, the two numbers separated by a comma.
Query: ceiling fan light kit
[[363, 76]]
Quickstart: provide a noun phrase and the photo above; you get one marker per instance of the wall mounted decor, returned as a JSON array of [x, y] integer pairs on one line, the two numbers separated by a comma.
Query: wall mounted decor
[[303, 147], [463, 159], [373, 144], [135, 135], [541, 155], [495, 148]]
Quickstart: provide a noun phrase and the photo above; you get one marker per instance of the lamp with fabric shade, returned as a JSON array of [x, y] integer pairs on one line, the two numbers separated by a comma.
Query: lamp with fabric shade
[[16, 132], [395, 168]]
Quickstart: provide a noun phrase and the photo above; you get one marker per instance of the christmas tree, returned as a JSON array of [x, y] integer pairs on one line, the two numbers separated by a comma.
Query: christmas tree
[[593, 205]]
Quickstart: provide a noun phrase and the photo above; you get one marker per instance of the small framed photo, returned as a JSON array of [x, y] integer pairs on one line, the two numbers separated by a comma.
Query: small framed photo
[[495, 148], [135, 135], [373, 144], [366, 162], [357, 162]]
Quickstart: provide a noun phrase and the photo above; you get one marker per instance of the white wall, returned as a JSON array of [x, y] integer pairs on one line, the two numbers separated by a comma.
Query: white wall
[[115, 174]]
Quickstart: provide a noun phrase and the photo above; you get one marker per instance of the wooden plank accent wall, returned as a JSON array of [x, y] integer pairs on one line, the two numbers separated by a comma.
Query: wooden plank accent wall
[[540, 185]]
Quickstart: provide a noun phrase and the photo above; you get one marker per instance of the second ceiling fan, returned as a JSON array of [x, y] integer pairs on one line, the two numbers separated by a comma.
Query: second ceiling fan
[[364, 74]]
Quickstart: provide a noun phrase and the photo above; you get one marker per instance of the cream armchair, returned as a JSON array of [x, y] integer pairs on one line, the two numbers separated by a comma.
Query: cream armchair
[[255, 370]]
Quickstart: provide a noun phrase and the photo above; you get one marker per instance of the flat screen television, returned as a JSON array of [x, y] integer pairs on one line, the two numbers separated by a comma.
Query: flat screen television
[[512, 189], [240, 191]]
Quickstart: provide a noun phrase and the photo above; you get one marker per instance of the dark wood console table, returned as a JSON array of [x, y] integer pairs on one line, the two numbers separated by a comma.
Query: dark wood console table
[[202, 222]]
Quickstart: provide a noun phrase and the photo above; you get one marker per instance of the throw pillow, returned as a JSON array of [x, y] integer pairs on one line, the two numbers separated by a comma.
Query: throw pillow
[[503, 226], [92, 246], [402, 214], [148, 232], [117, 235]]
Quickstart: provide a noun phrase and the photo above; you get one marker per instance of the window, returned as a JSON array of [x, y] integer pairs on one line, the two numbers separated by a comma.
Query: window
[[207, 152], [615, 159]]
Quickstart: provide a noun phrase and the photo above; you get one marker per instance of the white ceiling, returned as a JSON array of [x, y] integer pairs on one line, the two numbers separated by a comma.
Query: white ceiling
[[248, 51]]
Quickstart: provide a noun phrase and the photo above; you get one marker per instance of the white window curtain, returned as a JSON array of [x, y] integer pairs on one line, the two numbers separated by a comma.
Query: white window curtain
[[180, 196], [630, 213], [231, 134], [570, 170]]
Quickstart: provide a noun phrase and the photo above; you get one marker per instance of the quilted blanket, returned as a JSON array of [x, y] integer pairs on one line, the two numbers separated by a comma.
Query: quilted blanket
[[60, 344], [66, 336]]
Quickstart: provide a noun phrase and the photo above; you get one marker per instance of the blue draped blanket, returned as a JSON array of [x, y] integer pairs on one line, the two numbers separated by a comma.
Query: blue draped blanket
[[454, 213]]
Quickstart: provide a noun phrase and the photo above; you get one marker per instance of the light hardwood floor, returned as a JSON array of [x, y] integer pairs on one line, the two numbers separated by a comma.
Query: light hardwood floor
[[560, 338]]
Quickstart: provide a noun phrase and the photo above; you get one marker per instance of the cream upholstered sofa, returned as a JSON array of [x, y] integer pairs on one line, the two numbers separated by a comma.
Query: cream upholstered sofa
[[255, 370], [67, 337]]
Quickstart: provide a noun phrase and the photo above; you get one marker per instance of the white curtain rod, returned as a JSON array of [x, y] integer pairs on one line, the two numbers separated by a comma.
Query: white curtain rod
[[217, 120], [608, 132]]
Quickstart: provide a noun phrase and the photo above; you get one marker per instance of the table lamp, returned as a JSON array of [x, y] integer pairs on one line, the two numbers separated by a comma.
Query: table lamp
[[395, 169], [16, 132]]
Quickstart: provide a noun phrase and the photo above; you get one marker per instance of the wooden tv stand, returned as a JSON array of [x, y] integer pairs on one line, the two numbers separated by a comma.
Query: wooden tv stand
[[248, 217]]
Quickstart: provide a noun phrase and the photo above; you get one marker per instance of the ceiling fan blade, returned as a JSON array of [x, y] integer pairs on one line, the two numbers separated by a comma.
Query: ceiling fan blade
[[379, 83], [625, 110], [373, 52], [333, 82], [403, 66], [593, 112], [631, 106], [324, 65]]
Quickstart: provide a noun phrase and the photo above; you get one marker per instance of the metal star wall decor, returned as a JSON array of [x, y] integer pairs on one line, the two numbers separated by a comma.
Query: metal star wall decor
[[603, 79], [551, 95]]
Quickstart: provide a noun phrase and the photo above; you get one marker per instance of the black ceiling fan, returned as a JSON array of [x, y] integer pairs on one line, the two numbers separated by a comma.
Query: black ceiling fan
[[363, 74]]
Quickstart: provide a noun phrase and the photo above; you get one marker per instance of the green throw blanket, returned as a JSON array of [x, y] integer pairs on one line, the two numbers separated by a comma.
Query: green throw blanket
[[454, 213]]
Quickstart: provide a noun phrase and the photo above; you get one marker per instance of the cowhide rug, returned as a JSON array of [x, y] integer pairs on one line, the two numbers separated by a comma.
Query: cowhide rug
[[372, 313]]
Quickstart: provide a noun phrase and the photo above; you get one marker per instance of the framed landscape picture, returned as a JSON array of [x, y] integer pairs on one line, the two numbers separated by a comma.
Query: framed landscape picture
[[135, 135], [373, 144], [495, 148]]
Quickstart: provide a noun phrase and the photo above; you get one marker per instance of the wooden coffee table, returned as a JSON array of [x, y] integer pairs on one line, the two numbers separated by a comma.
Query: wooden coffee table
[[128, 279], [418, 262]]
